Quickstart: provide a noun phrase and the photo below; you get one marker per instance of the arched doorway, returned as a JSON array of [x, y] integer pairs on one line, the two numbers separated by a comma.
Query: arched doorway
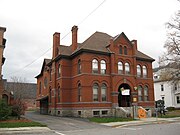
[[5, 98], [124, 97]]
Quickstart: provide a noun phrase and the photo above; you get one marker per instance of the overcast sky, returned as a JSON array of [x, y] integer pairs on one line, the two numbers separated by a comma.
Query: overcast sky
[[31, 23]]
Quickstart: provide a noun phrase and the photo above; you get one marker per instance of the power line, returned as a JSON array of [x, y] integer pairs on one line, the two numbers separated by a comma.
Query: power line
[[61, 40]]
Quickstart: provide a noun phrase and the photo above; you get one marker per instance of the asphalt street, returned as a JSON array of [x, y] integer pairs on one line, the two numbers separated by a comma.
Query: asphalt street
[[77, 126], [63, 123]]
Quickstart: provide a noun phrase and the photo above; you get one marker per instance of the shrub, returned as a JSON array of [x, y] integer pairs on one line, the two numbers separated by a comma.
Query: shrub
[[5, 110], [18, 108], [170, 108]]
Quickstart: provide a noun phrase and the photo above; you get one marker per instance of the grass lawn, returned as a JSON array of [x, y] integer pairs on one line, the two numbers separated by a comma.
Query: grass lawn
[[14, 123], [171, 114], [109, 119]]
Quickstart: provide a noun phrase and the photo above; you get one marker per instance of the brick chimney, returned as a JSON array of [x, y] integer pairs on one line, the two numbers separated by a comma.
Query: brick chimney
[[74, 38], [134, 43], [111, 45], [56, 43], [2, 30]]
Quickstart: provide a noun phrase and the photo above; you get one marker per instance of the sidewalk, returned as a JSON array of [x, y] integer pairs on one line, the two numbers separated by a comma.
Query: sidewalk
[[25, 130], [144, 121]]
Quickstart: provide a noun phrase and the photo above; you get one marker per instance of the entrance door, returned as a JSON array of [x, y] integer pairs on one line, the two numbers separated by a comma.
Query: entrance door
[[124, 97], [44, 106]]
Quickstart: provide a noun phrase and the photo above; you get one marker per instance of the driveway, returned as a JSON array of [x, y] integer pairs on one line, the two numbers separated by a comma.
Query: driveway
[[66, 124]]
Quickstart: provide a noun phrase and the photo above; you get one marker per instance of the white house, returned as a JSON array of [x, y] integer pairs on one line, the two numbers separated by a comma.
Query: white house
[[166, 90]]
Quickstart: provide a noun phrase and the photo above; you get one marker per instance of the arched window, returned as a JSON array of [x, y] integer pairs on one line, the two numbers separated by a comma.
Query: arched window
[[95, 66], [40, 87], [125, 50], [59, 94], [103, 92], [144, 72], [79, 92], [50, 74], [120, 49], [45, 82], [138, 71], [59, 70], [103, 67], [127, 68], [95, 92], [79, 66], [146, 93], [120, 67], [50, 94], [139, 93]]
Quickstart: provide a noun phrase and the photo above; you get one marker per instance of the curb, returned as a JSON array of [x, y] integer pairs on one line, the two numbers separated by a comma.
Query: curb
[[139, 123], [25, 130]]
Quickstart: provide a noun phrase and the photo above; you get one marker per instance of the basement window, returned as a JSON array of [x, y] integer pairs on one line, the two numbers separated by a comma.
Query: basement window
[[96, 113], [59, 112], [105, 112], [79, 113]]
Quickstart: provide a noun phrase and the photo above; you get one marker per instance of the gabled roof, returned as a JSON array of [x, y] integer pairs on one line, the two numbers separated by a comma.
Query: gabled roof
[[45, 62], [99, 42], [117, 37]]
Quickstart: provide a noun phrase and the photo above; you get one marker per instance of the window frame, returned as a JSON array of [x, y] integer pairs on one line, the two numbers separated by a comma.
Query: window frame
[[120, 65], [95, 68], [95, 94], [145, 72], [127, 68], [59, 94], [40, 87], [79, 93], [103, 66], [178, 99], [140, 93], [139, 71], [45, 82], [125, 50], [104, 94], [120, 50], [146, 93], [79, 66], [59, 71]]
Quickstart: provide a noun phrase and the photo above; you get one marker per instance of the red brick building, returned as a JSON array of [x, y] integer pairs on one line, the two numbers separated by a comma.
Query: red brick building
[[95, 77]]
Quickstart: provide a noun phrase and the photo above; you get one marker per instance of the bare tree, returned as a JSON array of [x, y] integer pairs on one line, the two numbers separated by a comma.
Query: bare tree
[[171, 58], [18, 87]]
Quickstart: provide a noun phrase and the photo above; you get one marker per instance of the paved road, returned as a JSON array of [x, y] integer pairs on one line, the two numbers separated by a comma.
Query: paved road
[[75, 126], [63, 123], [155, 129]]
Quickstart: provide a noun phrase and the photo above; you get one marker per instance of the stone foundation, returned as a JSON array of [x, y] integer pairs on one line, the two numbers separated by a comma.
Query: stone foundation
[[103, 112]]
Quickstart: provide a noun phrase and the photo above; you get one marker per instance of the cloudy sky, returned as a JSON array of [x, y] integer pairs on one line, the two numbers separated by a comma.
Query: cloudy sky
[[31, 23]]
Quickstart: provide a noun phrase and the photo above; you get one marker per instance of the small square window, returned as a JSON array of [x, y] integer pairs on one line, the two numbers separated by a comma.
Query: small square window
[[79, 113], [59, 112], [96, 113], [105, 112]]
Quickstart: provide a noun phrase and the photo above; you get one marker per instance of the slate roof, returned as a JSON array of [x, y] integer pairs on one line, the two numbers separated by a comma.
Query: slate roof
[[99, 42], [27, 90]]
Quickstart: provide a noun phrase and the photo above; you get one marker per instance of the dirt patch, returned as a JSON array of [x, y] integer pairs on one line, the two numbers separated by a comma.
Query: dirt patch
[[15, 120]]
